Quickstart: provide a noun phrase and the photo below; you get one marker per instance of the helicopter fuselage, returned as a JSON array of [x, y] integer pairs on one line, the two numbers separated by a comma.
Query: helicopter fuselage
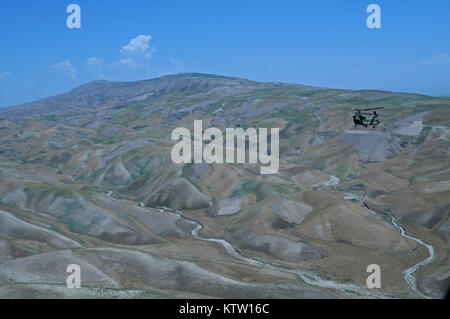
[[365, 119]]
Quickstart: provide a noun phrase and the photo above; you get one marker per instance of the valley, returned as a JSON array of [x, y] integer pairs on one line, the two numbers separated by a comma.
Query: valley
[[87, 178]]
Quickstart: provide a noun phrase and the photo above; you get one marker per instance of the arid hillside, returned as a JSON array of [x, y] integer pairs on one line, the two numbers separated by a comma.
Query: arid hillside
[[87, 178]]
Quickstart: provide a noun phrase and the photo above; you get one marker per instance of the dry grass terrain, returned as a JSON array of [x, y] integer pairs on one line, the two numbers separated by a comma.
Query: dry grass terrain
[[83, 177]]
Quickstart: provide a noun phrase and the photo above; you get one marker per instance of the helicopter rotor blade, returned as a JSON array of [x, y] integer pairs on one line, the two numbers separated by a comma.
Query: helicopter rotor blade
[[373, 109], [360, 110]]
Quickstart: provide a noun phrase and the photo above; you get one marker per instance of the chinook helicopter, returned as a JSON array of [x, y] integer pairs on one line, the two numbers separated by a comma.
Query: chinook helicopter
[[364, 118]]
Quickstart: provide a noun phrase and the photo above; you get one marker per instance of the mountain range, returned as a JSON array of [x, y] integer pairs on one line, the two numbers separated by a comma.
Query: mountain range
[[86, 178]]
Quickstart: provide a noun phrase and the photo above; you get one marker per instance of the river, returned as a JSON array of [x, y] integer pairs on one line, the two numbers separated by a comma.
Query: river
[[309, 277], [408, 274]]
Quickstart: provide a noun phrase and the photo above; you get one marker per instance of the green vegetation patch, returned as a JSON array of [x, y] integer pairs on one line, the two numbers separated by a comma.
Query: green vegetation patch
[[290, 114], [423, 135], [63, 190], [96, 174], [262, 190], [125, 116], [438, 115]]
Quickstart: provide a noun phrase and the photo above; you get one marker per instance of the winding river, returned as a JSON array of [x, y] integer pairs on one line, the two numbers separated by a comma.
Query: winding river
[[308, 276], [408, 274]]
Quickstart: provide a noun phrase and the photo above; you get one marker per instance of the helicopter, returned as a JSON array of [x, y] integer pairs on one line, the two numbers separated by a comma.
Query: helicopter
[[362, 117]]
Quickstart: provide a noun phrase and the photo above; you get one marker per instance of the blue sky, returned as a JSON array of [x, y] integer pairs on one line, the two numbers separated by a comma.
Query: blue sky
[[322, 43]]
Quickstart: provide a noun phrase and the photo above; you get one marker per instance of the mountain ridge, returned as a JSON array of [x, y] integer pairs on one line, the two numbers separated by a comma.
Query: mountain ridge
[[94, 165], [105, 84]]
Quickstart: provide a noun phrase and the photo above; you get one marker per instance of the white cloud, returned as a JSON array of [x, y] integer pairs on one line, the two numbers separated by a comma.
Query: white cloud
[[95, 65], [129, 63], [126, 62], [139, 46], [5, 75], [66, 67], [441, 58], [135, 57], [94, 62], [132, 62]]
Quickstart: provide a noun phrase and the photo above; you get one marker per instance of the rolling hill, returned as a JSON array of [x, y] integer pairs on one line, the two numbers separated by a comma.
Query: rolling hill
[[86, 177]]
